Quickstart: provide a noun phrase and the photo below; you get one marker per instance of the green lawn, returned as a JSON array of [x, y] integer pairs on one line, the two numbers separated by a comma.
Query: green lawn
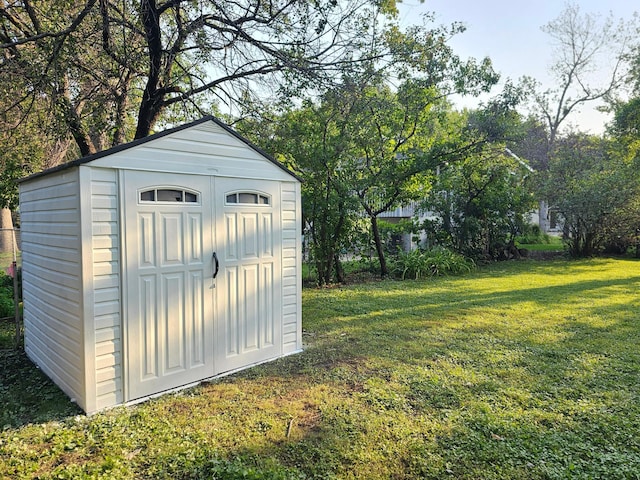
[[554, 244], [523, 369]]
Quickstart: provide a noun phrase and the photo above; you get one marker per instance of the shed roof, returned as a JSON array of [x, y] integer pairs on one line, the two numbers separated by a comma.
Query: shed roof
[[150, 138]]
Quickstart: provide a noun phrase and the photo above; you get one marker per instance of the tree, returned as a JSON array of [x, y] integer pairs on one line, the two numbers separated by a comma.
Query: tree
[[397, 135], [381, 126], [311, 143], [593, 187], [112, 69], [25, 146], [584, 44], [397, 140], [479, 205]]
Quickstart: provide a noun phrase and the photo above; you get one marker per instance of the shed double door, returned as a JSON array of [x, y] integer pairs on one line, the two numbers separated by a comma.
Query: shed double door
[[201, 270]]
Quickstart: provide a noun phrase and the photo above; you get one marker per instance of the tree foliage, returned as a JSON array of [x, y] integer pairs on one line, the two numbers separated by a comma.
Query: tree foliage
[[371, 141], [395, 137], [310, 141], [110, 70], [396, 140], [477, 206], [596, 191], [589, 65], [79, 77]]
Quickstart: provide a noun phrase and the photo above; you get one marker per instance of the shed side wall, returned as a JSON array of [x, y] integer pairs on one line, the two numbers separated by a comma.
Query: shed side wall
[[291, 271], [52, 279], [106, 287]]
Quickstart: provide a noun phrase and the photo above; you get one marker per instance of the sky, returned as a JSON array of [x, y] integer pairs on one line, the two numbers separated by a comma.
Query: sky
[[509, 32]]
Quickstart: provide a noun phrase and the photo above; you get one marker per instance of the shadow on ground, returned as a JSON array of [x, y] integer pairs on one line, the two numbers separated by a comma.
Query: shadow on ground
[[27, 395]]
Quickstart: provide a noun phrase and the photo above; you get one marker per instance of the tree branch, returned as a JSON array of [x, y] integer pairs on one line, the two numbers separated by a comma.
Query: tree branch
[[61, 34]]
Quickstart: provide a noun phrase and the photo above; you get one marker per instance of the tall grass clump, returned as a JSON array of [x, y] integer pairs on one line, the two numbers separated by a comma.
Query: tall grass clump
[[436, 261]]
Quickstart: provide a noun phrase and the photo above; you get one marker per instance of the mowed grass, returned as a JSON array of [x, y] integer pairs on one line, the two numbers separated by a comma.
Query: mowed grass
[[554, 244], [525, 370]]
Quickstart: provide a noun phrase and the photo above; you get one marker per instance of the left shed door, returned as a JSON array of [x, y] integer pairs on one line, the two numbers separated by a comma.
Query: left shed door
[[167, 271]]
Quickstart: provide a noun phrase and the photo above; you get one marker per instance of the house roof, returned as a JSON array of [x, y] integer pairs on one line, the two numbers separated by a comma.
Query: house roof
[[150, 138]]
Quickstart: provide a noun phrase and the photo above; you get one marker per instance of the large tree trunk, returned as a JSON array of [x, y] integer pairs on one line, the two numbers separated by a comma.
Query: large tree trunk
[[6, 231], [151, 104]]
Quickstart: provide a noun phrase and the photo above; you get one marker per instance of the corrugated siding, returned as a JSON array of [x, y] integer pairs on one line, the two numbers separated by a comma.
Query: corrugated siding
[[291, 280], [106, 284], [52, 278]]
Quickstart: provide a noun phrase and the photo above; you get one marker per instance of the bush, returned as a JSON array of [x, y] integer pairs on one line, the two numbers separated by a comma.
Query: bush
[[436, 261], [6, 295], [6, 302]]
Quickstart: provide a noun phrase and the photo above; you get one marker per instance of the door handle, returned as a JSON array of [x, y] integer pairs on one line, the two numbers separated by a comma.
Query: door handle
[[216, 264]]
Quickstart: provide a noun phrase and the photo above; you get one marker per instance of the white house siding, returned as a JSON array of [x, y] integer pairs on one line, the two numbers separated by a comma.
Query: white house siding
[[403, 211], [291, 273], [105, 247], [52, 278]]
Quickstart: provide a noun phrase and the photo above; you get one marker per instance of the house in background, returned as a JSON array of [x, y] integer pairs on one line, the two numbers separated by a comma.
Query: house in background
[[549, 220], [160, 263]]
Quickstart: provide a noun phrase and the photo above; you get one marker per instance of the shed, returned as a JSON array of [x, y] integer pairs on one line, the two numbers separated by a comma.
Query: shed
[[160, 263]]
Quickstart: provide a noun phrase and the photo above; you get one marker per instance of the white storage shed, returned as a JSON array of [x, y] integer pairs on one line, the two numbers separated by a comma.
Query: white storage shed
[[160, 263]]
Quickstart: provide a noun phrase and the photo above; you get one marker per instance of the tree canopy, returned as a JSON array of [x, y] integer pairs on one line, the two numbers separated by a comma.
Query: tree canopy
[[338, 90], [596, 190], [109, 70]]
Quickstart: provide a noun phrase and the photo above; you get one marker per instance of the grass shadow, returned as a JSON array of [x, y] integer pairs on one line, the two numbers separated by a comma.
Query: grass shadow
[[26, 394]]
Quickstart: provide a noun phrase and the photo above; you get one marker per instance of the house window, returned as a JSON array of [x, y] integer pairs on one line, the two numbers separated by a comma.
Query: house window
[[248, 198], [169, 195]]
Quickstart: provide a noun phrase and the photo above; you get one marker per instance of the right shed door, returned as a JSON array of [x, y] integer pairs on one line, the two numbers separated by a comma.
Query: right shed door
[[248, 283]]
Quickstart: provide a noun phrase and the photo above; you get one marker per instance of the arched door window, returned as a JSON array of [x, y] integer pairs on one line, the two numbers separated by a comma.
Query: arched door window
[[248, 198], [168, 195]]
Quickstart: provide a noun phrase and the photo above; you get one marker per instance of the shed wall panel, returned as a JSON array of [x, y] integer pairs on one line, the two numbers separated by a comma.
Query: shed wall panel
[[106, 286], [51, 240], [45, 205], [291, 272], [52, 283]]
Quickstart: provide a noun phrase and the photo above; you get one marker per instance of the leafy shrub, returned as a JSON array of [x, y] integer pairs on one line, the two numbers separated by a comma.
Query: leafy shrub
[[392, 234], [6, 295], [436, 261], [6, 302], [5, 280]]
